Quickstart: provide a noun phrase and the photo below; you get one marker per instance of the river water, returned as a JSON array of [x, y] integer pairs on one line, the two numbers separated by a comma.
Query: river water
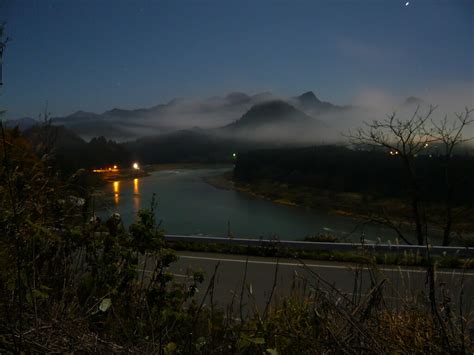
[[188, 205]]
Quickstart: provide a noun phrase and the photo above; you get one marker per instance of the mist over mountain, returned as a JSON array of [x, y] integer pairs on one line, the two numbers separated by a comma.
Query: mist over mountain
[[274, 121], [302, 119], [185, 113], [212, 129], [177, 114]]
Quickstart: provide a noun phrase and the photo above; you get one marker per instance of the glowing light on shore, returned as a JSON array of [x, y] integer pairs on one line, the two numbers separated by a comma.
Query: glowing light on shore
[[136, 166], [113, 169]]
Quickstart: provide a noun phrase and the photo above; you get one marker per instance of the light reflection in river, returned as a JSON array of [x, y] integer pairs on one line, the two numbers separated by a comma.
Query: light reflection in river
[[136, 195], [116, 192]]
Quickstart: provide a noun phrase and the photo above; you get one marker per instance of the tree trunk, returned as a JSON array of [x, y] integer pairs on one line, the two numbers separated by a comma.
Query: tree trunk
[[417, 217], [415, 202]]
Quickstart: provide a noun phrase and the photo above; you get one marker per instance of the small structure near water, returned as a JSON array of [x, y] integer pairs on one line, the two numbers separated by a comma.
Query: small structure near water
[[115, 172]]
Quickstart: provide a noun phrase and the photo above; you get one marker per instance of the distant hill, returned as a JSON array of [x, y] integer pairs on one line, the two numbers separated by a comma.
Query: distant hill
[[182, 146], [79, 116], [308, 99], [194, 145], [310, 103], [72, 152], [270, 113]]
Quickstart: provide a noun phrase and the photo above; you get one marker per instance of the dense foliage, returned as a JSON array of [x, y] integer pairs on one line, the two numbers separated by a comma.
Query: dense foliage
[[341, 169], [72, 152]]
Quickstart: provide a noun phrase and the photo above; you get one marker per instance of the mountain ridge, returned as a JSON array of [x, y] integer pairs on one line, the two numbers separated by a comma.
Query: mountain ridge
[[183, 113]]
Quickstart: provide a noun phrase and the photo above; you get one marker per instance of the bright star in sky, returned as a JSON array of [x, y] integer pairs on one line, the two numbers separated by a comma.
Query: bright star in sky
[[407, 3]]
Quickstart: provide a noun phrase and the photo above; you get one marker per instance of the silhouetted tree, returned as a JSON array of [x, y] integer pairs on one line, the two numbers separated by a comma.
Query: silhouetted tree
[[3, 44], [406, 139], [450, 134]]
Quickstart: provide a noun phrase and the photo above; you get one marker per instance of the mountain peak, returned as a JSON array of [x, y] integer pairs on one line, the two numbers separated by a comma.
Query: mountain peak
[[270, 113], [116, 112], [308, 98], [77, 116], [272, 107]]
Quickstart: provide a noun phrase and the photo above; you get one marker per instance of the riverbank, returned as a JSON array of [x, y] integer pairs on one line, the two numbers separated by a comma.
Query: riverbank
[[360, 207], [125, 175], [344, 204], [146, 170], [187, 166]]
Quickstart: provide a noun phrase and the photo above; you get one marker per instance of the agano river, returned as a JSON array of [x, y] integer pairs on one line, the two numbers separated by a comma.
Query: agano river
[[188, 205]]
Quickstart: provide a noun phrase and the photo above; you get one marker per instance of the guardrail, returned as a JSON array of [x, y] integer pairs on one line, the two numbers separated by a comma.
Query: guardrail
[[291, 244]]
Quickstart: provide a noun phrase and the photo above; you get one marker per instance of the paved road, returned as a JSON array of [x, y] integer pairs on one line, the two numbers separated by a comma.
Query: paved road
[[293, 276]]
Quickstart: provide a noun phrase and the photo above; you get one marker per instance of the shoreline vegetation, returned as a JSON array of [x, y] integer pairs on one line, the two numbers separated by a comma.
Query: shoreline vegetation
[[187, 166], [354, 205], [126, 175]]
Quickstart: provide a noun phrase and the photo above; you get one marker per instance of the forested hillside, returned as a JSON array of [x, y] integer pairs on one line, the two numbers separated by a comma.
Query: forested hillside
[[341, 169]]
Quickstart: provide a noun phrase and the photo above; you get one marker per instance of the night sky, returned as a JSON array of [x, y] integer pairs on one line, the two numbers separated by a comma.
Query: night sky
[[100, 54]]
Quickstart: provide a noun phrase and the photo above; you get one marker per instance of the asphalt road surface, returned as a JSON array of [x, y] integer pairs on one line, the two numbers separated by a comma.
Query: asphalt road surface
[[402, 284]]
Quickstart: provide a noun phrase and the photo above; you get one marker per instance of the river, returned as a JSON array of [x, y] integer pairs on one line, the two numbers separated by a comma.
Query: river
[[188, 205]]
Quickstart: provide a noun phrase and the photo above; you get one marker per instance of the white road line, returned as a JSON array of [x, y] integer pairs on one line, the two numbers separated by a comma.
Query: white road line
[[321, 266]]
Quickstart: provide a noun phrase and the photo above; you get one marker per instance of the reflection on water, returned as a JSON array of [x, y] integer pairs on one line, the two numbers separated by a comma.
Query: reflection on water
[[188, 205], [116, 192], [135, 186], [136, 195]]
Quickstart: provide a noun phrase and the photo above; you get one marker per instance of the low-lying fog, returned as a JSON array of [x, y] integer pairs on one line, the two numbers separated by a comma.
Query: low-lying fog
[[326, 123]]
